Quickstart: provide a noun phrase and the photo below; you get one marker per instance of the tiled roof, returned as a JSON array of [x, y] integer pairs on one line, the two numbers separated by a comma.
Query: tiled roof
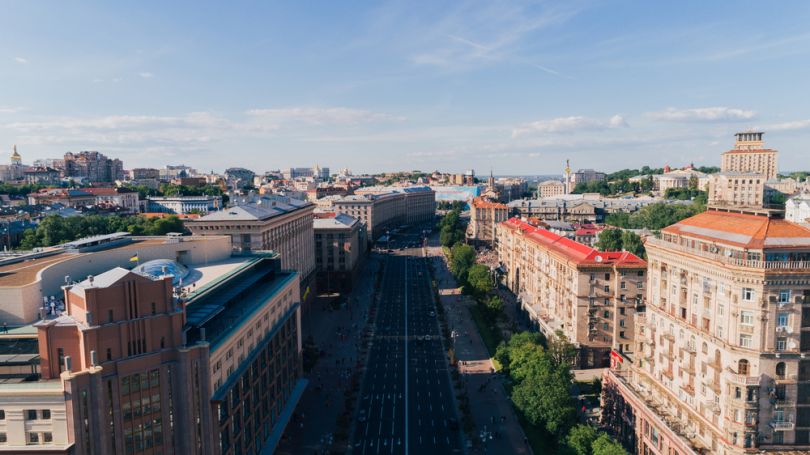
[[574, 251], [481, 203], [742, 230]]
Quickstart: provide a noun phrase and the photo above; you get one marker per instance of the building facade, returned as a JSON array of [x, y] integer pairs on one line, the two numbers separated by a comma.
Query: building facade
[[183, 205], [93, 167], [279, 224], [719, 365], [484, 216], [550, 188], [749, 155], [117, 197], [797, 208], [340, 245], [588, 295]]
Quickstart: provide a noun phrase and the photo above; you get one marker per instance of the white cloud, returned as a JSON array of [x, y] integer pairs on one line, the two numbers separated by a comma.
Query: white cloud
[[569, 124], [146, 75], [704, 114], [319, 116], [794, 125], [10, 109], [21, 60]]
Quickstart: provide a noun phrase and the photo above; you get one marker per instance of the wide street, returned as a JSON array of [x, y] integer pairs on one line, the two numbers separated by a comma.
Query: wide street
[[406, 403]]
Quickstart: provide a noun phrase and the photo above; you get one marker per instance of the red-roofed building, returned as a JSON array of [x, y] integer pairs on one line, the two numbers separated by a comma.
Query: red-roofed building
[[589, 295]]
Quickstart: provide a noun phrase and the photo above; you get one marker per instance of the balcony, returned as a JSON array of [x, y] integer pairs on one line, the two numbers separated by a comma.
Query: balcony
[[668, 373], [689, 368], [688, 388], [741, 378], [712, 406], [747, 263], [668, 336], [781, 425]]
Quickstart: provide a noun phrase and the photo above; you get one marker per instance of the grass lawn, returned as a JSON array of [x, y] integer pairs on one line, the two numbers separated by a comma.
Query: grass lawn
[[491, 337]]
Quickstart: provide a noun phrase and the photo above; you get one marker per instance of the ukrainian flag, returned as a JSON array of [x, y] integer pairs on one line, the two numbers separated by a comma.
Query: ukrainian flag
[[134, 258]]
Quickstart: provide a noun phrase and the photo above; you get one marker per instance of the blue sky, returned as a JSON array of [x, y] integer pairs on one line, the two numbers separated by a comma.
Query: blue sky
[[513, 86]]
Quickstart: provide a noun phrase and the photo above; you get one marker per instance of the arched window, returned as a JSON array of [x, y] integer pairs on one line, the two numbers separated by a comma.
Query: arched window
[[780, 370], [742, 367], [705, 348]]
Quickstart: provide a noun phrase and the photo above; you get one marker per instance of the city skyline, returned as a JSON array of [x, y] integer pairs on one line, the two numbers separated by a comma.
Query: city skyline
[[513, 87]]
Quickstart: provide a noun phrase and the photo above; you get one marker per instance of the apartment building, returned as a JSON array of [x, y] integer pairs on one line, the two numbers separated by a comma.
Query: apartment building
[[419, 201], [182, 205], [92, 167], [737, 189], [379, 212], [750, 155], [720, 362], [340, 245], [125, 198], [589, 295], [484, 216], [276, 223], [550, 188]]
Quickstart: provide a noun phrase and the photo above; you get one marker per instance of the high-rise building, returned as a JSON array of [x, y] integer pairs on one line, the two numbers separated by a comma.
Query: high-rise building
[[340, 245], [93, 167], [589, 295], [750, 156], [719, 365]]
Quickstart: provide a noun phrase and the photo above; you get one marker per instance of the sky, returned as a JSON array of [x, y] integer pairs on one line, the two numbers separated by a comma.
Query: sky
[[514, 87]]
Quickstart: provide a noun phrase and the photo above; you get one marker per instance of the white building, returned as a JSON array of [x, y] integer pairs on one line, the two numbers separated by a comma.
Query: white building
[[797, 208], [183, 205]]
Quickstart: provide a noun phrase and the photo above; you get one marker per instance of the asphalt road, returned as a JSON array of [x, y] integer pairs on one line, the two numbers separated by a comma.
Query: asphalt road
[[406, 403]]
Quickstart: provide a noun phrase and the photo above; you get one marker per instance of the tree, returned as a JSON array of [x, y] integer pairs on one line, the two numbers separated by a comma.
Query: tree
[[610, 240], [632, 243], [462, 258], [494, 305], [562, 351], [580, 439], [604, 445], [479, 279], [544, 396]]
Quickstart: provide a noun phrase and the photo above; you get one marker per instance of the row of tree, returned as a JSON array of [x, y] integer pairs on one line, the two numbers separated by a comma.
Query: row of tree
[[614, 187], [655, 216], [451, 229], [542, 383], [55, 230], [170, 189]]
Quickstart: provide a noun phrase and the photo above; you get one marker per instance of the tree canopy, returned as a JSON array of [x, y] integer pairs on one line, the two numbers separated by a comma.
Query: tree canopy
[[54, 229]]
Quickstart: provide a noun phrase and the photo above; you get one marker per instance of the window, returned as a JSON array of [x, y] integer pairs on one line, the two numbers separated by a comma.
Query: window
[[742, 367], [623, 285], [782, 319], [47, 437], [607, 276], [746, 341], [109, 354], [31, 414], [46, 414], [606, 313], [607, 288], [784, 296], [3, 438], [33, 438], [2, 415], [641, 273], [747, 317], [781, 344], [748, 294]]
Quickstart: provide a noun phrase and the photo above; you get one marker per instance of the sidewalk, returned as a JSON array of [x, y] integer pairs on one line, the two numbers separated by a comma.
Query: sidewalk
[[338, 334], [491, 409]]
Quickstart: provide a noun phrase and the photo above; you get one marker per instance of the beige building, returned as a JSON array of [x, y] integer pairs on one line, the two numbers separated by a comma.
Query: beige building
[[340, 245], [550, 188], [484, 216], [719, 365], [383, 208], [749, 155], [737, 189], [681, 178], [280, 224], [589, 295]]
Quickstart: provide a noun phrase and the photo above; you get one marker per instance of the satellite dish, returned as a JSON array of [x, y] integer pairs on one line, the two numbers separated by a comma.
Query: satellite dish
[[598, 258], [728, 253]]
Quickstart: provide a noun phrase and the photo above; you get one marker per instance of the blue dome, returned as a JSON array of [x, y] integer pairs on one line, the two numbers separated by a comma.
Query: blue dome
[[160, 267]]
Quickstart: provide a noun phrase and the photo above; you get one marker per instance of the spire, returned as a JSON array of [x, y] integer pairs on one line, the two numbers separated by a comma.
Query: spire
[[15, 157]]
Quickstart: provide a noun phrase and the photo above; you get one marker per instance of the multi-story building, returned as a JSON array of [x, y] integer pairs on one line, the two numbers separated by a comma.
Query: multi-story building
[[681, 178], [797, 208], [65, 196], [382, 208], [42, 176], [239, 177], [141, 173], [750, 156], [183, 205], [93, 167], [584, 176], [737, 189], [117, 197], [178, 170], [550, 188], [509, 189], [719, 364], [163, 359], [484, 216], [589, 295], [276, 223], [340, 245]]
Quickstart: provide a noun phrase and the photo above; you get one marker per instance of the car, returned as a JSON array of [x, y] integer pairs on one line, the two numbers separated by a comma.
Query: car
[[427, 337], [432, 313]]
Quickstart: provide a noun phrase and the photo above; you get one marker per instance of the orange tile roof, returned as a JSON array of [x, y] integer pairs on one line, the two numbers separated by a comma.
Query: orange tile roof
[[742, 230], [481, 203], [574, 251]]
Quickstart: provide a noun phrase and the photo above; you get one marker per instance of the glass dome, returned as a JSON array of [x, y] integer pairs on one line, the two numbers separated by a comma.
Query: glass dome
[[160, 267]]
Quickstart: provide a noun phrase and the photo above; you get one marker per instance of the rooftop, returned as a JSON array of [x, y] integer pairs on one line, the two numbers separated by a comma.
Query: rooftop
[[742, 230], [336, 221], [481, 203], [735, 151], [263, 209], [574, 251]]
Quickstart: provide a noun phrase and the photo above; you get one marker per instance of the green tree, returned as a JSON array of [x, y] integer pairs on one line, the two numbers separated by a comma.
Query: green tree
[[462, 258], [494, 305], [562, 351], [610, 240], [605, 445], [544, 396], [479, 279], [632, 242], [580, 439]]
